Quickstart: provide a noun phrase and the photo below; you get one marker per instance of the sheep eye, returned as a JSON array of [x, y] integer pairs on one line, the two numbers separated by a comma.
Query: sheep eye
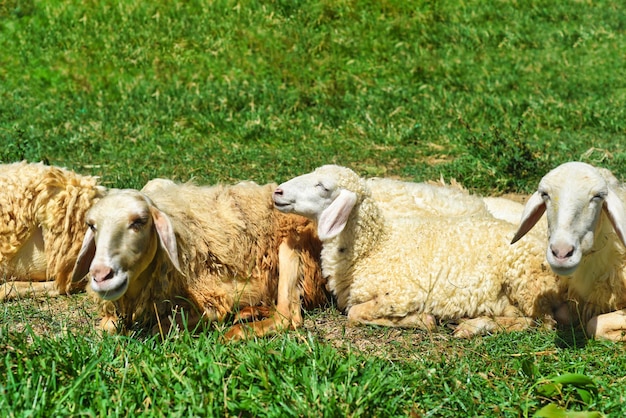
[[91, 226], [320, 185], [544, 195], [598, 197], [138, 223]]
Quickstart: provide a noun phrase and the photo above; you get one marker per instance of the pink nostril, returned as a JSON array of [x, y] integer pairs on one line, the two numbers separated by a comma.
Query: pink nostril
[[278, 192], [562, 252], [101, 273]]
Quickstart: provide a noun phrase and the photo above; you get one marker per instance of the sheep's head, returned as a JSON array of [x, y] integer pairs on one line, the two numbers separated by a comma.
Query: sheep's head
[[125, 229], [573, 196], [327, 196]]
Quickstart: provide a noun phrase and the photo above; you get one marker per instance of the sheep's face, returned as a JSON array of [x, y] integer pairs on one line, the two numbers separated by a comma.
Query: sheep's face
[[308, 195], [573, 201], [125, 243], [318, 196], [125, 230], [573, 195]]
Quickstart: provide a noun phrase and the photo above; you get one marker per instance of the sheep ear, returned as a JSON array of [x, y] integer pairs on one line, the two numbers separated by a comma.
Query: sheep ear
[[85, 257], [534, 209], [614, 209], [334, 218], [167, 237]]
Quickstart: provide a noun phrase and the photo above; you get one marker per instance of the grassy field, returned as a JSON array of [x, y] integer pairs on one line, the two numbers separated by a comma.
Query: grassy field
[[492, 94]]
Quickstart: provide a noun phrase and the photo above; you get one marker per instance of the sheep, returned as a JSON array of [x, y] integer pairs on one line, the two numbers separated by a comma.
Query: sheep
[[42, 210], [586, 218], [402, 198], [411, 271], [203, 251]]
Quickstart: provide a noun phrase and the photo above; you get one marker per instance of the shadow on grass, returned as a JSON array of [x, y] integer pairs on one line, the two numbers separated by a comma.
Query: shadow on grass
[[573, 337]]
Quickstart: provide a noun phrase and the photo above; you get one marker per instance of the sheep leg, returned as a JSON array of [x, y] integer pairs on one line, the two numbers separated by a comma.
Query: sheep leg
[[484, 325], [288, 308], [609, 326], [365, 313], [252, 313], [16, 290]]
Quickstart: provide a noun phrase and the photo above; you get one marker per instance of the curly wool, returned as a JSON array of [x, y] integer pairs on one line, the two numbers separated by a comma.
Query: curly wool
[[228, 239], [47, 203], [450, 267]]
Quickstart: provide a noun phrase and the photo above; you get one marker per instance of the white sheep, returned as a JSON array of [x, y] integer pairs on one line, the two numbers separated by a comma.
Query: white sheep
[[203, 250], [586, 216], [402, 198], [42, 210], [407, 272]]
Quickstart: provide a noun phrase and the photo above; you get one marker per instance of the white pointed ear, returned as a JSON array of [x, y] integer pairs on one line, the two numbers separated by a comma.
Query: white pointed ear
[[615, 211], [85, 256], [535, 207], [334, 218], [165, 230]]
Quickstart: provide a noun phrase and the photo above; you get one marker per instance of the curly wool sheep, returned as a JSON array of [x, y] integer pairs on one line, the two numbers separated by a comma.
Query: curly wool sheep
[[42, 210], [401, 198], [203, 250], [585, 207], [407, 272]]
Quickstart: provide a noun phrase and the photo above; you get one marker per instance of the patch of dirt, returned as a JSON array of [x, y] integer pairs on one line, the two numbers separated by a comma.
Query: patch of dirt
[[79, 314], [50, 316], [332, 327]]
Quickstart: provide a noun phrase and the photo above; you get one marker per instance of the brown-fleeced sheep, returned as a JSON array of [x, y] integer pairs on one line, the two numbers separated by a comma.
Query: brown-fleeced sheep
[[205, 250], [42, 211]]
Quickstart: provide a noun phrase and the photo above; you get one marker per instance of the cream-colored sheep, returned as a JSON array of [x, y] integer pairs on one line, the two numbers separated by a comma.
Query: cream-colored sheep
[[408, 272], [42, 210], [401, 198], [207, 251], [586, 215]]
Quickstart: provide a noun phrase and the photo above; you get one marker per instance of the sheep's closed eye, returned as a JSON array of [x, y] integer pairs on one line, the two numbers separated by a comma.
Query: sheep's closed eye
[[138, 223], [321, 186], [91, 226], [598, 197]]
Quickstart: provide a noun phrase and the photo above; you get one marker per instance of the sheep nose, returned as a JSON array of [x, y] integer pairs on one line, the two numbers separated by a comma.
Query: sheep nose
[[278, 192], [562, 252], [101, 273]]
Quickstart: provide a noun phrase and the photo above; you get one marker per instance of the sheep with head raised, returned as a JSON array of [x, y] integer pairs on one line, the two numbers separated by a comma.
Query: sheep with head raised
[[410, 271], [585, 207], [202, 250], [42, 210]]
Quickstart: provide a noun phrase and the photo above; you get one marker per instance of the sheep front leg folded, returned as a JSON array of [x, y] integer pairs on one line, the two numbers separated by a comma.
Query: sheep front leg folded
[[288, 307], [610, 326], [510, 320], [369, 313], [484, 325]]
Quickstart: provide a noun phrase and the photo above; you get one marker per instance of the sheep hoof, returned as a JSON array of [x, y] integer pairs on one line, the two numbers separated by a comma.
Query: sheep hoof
[[249, 313], [610, 326], [108, 324], [238, 332], [473, 327]]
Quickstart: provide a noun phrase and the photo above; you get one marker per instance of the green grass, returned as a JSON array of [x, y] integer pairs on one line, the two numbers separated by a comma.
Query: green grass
[[490, 93]]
